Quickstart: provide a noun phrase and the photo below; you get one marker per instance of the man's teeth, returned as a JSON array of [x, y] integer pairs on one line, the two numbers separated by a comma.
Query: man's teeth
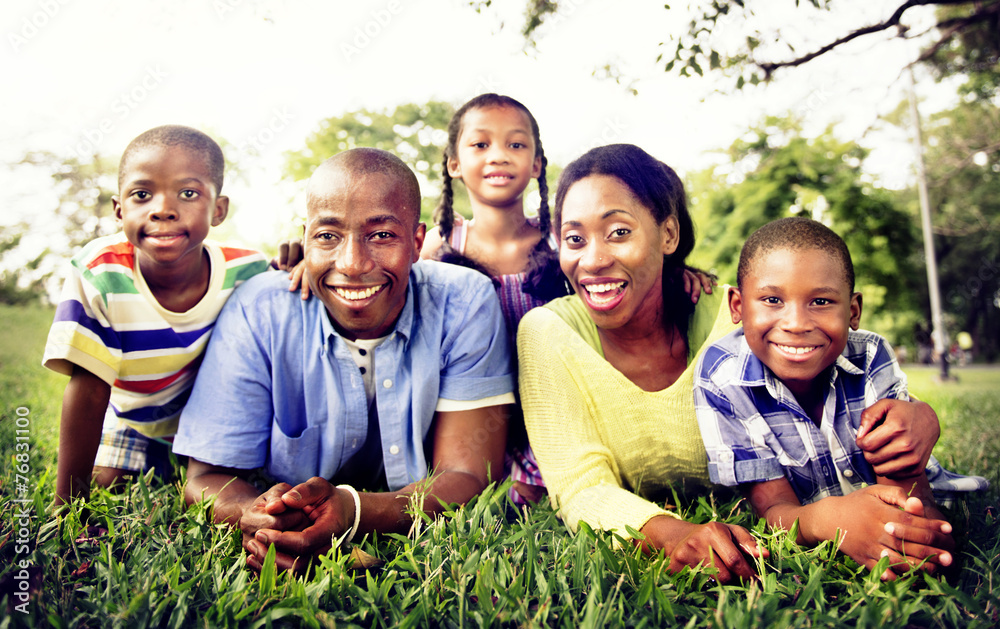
[[603, 288], [355, 295], [795, 350]]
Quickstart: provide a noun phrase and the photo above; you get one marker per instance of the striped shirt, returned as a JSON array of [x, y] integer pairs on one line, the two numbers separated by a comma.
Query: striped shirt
[[109, 323]]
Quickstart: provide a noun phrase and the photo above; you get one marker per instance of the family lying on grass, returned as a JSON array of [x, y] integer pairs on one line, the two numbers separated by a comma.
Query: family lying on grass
[[632, 379]]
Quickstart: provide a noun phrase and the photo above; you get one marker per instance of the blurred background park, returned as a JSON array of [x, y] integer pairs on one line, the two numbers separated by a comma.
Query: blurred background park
[[729, 93]]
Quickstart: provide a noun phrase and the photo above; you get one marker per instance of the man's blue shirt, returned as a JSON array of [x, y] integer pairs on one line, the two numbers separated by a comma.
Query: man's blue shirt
[[279, 389], [755, 430]]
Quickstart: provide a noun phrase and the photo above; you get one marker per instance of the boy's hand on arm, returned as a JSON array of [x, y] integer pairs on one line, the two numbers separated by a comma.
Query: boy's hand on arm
[[85, 401], [872, 522], [723, 546], [289, 255], [290, 258], [897, 437], [297, 281]]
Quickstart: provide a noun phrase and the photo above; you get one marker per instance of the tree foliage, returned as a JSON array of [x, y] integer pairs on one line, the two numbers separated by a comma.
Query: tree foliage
[[774, 172], [80, 211], [973, 51], [17, 284], [963, 169], [415, 133], [766, 48]]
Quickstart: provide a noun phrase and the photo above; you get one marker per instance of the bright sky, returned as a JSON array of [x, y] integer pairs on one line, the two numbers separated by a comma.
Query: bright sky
[[82, 75]]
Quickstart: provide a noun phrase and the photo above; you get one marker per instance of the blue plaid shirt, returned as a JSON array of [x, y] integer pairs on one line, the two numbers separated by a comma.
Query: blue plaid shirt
[[755, 430]]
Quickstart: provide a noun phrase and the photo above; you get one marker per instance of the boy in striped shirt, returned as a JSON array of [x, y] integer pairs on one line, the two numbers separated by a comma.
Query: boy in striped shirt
[[138, 308]]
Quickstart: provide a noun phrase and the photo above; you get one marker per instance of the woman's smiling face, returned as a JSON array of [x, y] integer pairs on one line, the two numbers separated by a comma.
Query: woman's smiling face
[[611, 249]]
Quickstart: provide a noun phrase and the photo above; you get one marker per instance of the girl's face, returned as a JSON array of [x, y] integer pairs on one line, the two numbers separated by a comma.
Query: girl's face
[[495, 155], [611, 249]]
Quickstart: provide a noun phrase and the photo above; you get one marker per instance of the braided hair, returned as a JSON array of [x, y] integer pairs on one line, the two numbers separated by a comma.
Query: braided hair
[[543, 279]]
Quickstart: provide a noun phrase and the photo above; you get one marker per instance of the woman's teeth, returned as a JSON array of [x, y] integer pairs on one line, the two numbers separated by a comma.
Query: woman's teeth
[[603, 288]]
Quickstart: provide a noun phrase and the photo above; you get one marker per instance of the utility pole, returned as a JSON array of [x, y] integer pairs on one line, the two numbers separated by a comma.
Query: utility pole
[[939, 334]]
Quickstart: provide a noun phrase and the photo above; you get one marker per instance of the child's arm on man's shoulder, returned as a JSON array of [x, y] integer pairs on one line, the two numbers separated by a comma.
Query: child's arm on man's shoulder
[[85, 402], [869, 522]]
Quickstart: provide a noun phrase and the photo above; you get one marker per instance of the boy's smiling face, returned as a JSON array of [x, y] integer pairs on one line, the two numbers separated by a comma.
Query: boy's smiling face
[[796, 307], [166, 205]]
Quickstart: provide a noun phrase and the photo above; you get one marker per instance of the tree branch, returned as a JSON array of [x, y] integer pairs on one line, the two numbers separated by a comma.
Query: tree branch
[[954, 25], [891, 21]]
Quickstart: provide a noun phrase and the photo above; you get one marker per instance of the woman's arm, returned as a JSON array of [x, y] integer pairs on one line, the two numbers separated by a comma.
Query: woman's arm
[[579, 469]]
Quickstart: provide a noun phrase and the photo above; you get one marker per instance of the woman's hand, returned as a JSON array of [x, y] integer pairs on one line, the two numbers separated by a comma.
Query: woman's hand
[[726, 547]]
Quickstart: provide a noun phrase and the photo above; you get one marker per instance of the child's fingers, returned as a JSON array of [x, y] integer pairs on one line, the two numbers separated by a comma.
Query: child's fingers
[[294, 252], [297, 280], [915, 506], [900, 564], [870, 417], [922, 531]]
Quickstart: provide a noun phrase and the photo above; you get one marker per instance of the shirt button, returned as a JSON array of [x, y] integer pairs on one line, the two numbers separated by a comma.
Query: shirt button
[[393, 449], [848, 473], [387, 383]]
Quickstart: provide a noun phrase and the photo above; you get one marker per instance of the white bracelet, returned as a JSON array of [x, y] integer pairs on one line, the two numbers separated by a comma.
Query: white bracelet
[[357, 511]]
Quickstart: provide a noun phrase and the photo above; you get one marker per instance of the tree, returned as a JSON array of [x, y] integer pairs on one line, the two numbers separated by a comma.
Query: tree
[[974, 52], [963, 169], [79, 211], [17, 286], [767, 48], [774, 172], [415, 133]]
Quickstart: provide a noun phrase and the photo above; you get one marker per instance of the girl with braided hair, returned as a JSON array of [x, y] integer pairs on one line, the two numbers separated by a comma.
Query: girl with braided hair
[[494, 148]]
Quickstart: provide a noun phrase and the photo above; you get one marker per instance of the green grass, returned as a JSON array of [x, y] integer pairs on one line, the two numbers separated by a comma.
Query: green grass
[[145, 560]]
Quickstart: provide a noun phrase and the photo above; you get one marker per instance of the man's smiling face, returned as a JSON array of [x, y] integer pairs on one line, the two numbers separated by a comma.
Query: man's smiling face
[[362, 235]]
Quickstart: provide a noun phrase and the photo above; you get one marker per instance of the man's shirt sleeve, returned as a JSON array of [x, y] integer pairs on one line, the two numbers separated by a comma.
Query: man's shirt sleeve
[[227, 420], [476, 355]]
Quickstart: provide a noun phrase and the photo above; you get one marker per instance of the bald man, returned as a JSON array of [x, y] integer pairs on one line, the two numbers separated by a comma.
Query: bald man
[[395, 369]]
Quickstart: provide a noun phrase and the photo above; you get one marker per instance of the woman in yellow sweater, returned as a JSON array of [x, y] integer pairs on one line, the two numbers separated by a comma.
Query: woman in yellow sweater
[[606, 374]]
